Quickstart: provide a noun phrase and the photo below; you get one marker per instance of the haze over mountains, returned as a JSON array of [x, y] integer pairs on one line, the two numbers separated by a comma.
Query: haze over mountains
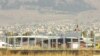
[[49, 11], [58, 5]]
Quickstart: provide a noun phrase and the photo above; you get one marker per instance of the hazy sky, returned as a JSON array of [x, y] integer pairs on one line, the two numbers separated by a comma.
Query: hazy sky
[[49, 11]]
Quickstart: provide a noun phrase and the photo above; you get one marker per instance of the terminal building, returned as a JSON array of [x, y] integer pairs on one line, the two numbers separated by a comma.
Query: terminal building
[[72, 39]]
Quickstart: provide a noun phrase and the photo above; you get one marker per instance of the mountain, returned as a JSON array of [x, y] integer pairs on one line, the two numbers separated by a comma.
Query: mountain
[[50, 5], [49, 11]]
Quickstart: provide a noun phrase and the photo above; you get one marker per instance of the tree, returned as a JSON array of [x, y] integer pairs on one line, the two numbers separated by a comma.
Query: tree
[[11, 34], [27, 34], [84, 33], [92, 34]]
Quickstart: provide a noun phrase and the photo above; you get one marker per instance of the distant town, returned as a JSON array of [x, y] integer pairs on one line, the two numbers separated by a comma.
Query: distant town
[[50, 36], [49, 29]]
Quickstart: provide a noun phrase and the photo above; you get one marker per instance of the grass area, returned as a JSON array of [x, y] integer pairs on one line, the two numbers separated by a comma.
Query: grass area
[[49, 53], [40, 48]]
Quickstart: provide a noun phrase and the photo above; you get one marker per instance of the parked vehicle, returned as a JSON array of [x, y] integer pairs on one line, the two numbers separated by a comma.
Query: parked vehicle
[[4, 45]]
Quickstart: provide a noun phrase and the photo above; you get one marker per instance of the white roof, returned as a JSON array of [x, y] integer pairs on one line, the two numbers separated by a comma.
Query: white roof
[[72, 37], [42, 37], [36, 36], [73, 34]]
